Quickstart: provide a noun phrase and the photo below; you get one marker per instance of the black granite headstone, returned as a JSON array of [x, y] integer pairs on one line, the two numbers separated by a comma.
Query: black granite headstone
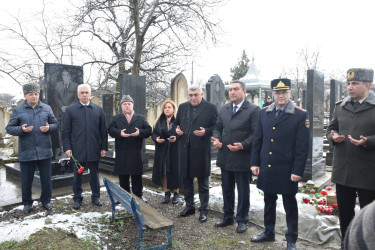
[[215, 91], [315, 166], [335, 95], [60, 90], [107, 105]]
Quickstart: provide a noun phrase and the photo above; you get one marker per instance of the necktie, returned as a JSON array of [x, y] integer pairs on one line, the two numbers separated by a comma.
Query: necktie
[[356, 105], [278, 112], [234, 109]]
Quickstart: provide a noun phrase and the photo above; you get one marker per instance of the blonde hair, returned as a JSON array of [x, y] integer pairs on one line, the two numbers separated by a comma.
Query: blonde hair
[[163, 107]]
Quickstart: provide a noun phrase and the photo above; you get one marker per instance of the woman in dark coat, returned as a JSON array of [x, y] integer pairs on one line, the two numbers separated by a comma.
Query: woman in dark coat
[[166, 170]]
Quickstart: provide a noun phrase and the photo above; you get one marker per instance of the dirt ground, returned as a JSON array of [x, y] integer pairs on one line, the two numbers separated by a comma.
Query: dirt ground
[[188, 233]]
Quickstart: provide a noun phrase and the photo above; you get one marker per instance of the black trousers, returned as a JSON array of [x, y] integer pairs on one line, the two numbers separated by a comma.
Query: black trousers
[[291, 211], [346, 198], [203, 189], [137, 185], [94, 181]]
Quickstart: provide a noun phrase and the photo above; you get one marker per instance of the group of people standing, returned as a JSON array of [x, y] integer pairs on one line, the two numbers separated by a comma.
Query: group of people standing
[[271, 143]]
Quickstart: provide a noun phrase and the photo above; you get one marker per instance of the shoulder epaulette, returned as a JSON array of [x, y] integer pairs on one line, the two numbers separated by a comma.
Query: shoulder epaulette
[[338, 102], [303, 110]]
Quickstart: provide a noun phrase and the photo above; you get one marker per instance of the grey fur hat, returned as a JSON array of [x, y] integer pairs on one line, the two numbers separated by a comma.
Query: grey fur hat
[[360, 74], [30, 88], [126, 98]]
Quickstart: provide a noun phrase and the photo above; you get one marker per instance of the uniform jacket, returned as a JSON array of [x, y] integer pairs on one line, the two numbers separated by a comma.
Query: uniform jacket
[[354, 166], [35, 145], [280, 148], [200, 146], [84, 131], [167, 152], [128, 160], [239, 127]]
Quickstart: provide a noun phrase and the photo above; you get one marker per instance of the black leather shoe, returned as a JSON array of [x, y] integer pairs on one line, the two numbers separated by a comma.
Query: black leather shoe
[[47, 206], [27, 209], [167, 198], [241, 227], [176, 198], [186, 212], [291, 246], [97, 202], [76, 205], [202, 217], [224, 223], [263, 237]]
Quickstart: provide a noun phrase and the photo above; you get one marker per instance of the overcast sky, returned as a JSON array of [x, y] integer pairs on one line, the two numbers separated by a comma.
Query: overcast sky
[[274, 31]]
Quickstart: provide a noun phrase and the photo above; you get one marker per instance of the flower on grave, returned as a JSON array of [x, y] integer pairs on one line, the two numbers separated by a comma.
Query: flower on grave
[[324, 192], [329, 188], [335, 206], [312, 191]]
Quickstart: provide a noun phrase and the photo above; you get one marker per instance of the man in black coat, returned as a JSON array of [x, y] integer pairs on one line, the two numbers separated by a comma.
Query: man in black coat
[[233, 136], [129, 129], [194, 124], [85, 137], [278, 158]]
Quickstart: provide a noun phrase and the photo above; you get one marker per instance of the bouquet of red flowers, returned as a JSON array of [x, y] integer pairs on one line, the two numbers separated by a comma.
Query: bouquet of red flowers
[[78, 165]]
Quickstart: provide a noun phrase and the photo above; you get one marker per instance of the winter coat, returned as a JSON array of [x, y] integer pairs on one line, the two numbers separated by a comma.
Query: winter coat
[[280, 148], [167, 152], [354, 166], [34, 145], [239, 127], [128, 159], [84, 131], [199, 157]]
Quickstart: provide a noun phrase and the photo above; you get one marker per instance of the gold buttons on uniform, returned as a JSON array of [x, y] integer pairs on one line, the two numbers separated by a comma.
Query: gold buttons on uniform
[[270, 153], [273, 128], [269, 165], [271, 140]]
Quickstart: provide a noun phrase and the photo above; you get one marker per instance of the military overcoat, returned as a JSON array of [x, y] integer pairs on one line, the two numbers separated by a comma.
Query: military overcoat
[[280, 148], [354, 166]]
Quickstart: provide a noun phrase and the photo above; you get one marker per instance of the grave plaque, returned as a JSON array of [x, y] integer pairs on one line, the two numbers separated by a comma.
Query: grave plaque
[[315, 166]]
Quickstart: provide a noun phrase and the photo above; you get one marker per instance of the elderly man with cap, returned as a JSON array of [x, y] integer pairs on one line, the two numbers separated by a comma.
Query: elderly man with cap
[[33, 121], [85, 137], [352, 133], [278, 157], [129, 129]]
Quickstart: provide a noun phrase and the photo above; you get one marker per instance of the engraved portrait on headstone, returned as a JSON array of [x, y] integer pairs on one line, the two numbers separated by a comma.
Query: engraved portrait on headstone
[[61, 82]]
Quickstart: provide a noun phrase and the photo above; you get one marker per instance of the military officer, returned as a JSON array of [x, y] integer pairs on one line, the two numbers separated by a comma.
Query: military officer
[[352, 133], [279, 154]]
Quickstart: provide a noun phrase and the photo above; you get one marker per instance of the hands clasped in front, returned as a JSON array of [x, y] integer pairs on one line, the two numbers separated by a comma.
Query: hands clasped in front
[[134, 134], [340, 138], [293, 177]]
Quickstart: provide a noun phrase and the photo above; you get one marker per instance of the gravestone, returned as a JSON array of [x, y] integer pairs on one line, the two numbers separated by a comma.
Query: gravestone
[[179, 89], [107, 105], [335, 95], [60, 90], [96, 100], [215, 91], [315, 166], [304, 99]]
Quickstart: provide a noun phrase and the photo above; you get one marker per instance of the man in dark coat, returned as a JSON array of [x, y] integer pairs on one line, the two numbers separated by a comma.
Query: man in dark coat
[[85, 137], [129, 129], [279, 154], [268, 102], [194, 124], [33, 121], [233, 136], [352, 134]]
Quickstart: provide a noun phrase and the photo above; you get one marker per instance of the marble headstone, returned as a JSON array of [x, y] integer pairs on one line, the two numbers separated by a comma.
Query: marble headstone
[[107, 105], [60, 90], [215, 91], [315, 166], [179, 89]]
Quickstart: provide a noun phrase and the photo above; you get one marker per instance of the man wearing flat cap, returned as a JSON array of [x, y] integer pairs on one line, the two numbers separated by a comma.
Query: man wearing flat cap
[[352, 133], [33, 121], [129, 129], [278, 158]]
